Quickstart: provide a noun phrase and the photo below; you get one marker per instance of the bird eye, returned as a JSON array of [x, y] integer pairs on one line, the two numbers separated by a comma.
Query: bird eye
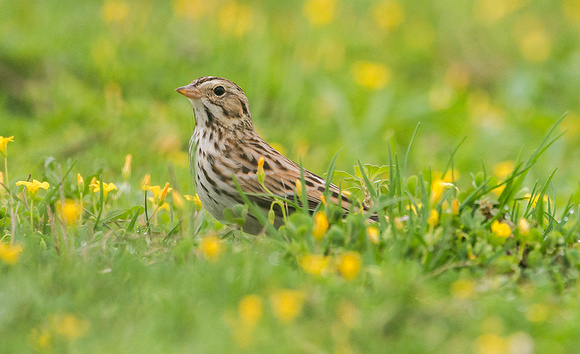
[[219, 90]]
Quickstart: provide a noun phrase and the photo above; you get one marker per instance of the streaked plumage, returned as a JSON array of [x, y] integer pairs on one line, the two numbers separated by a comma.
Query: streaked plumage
[[225, 142]]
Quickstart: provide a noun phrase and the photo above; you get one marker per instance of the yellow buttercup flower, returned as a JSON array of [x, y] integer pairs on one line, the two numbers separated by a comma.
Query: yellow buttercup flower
[[114, 11], [319, 12], [463, 289], [159, 194], [373, 234], [399, 223], [107, 187], [70, 211], [371, 75], [163, 206], [210, 247], [163, 194], [320, 225], [501, 229], [193, 9], [503, 169], [33, 186], [524, 227], [195, 199], [69, 326], [315, 264], [235, 18], [177, 199], [299, 188], [537, 313], [41, 339], [388, 14], [3, 143], [127, 167], [146, 182], [491, 343], [10, 254], [287, 304], [433, 218], [260, 173], [438, 187], [349, 265], [80, 182], [455, 206], [250, 309]]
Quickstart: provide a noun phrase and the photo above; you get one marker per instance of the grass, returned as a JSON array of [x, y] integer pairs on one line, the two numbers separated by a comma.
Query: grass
[[479, 248]]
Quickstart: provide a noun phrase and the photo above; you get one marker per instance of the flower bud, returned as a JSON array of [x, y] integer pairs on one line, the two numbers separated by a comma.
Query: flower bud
[[261, 174]]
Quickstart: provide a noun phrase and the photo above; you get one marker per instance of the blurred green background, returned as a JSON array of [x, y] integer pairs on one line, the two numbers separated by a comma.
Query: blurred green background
[[93, 81]]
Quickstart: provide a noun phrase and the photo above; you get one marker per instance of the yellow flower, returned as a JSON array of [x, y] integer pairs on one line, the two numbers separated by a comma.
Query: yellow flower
[[524, 227], [348, 314], [323, 200], [164, 206], [40, 340], [388, 14], [319, 12], [491, 11], [146, 182], [373, 234], [235, 18], [260, 173], [320, 225], [210, 247], [349, 265], [250, 309], [455, 206], [80, 182], [299, 188], [371, 75], [314, 264], [572, 10], [536, 45], [3, 143], [114, 11], [462, 288], [163, 194], [193, 9], [10, 253], [287, 304], [69, 326], [438, 188], [195, 199], [503, 169], [433, 218], [399, 223], [501, 229], [70, 211], [127, 167], [177, 199], [491, 343], [537, 313], [33, 186], [535, 199], [107, 187]]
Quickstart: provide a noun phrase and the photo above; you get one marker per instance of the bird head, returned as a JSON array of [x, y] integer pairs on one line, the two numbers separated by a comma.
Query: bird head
[[217, 101]]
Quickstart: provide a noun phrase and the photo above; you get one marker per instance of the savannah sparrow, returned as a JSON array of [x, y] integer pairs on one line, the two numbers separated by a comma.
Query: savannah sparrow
[[224, 143]]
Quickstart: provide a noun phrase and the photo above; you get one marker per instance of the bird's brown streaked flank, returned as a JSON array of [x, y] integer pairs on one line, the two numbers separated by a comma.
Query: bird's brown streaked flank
[[224, 142]]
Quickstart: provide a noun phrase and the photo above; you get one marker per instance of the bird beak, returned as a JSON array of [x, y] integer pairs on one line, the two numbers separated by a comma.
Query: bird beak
[[189, 91]]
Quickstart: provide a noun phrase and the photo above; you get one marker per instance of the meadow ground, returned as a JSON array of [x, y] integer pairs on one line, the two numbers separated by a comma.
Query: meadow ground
[[454, 110]]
